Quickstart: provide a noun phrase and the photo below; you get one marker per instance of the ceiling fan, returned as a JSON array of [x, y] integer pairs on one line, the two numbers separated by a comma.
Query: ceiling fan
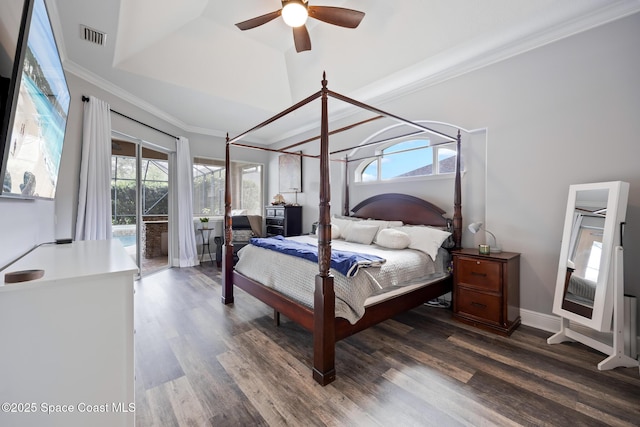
[[295, 14]]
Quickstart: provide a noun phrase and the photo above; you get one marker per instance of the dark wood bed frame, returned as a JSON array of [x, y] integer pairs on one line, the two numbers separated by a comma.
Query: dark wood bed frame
[[320, 320]]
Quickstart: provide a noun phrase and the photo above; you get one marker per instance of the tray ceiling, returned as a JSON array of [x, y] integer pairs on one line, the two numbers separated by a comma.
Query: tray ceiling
[[187, 63]]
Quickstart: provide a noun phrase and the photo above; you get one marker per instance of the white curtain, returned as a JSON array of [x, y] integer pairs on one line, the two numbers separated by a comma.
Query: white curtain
[[186, 232], [94, 195]]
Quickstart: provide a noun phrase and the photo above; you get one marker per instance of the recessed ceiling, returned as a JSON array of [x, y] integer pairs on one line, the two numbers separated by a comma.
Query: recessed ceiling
[[186, 61]]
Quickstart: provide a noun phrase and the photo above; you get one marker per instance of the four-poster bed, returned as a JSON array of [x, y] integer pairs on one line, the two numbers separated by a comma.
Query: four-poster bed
[[320, 318]]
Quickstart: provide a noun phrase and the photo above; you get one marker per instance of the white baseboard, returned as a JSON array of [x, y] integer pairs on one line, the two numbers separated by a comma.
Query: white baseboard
[[546, 322]]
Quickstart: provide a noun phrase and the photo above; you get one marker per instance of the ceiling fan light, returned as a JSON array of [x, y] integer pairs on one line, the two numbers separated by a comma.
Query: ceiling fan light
[[294, 14]]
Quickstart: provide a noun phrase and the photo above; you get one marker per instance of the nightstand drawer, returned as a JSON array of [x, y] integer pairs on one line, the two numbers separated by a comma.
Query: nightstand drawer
[[274, 230], [480, 305], [479, 273], [275, 221]]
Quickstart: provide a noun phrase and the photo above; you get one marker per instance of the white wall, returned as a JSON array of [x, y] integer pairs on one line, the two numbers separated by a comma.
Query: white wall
[[25, 223], [562, 114]]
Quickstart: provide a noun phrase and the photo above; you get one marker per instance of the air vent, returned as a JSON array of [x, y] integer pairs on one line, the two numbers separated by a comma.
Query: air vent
[[91, 35]]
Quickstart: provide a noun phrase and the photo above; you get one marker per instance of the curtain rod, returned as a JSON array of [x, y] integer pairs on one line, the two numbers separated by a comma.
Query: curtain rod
[[86, 99]]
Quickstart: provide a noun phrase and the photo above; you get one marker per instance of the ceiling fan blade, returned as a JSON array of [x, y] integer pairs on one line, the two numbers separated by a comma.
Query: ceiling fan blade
[[259, 20], [301, 38], [340, 16]]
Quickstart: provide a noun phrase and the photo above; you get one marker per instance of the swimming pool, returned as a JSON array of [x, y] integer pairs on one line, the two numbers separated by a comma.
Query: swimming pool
[[127, 240]]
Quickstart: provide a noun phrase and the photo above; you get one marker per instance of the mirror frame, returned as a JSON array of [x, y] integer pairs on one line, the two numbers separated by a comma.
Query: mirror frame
[[618, 194]]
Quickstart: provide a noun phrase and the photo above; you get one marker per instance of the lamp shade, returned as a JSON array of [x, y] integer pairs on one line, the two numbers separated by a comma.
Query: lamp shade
[[474, 227], [294, 13]]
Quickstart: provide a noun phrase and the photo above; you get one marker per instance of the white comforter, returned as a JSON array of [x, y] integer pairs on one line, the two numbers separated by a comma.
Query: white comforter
[[295, 277]]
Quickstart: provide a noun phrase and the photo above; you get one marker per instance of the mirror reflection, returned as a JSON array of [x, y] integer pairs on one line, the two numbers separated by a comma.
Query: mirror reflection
[[585, 252]]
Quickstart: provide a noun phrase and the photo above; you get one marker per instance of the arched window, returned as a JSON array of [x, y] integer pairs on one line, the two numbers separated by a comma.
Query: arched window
[[409, 158]]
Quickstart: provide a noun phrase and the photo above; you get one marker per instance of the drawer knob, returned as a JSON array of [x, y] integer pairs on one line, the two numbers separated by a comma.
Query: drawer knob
[[478, 262]]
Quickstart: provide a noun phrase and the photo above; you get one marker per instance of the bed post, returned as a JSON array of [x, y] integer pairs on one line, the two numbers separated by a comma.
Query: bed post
[[324, 296], [345, 209], [457, 197], [227, 250]]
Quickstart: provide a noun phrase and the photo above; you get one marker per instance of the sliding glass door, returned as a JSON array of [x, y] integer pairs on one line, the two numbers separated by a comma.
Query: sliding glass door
[[140, 203]]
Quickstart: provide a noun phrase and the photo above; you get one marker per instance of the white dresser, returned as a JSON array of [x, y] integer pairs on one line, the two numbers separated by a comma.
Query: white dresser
[[66, 339]]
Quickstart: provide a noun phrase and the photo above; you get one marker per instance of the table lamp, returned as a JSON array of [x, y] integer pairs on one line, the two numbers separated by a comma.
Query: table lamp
[[476, 226]]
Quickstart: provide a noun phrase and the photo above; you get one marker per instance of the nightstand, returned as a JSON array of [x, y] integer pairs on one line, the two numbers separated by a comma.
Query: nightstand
[[486, 290], [283, 220]]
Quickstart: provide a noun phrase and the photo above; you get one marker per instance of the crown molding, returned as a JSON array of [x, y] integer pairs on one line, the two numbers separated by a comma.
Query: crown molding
[[117, 91], [475, 55]]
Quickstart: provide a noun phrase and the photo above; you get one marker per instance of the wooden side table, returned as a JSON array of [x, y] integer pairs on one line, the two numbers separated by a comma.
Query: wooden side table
[[486, 290]]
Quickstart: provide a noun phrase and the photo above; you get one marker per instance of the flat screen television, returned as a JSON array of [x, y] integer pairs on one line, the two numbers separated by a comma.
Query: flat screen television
[[35, 101]]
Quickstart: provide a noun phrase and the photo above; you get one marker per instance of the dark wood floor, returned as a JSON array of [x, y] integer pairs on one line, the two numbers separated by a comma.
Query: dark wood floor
[[200, 363]]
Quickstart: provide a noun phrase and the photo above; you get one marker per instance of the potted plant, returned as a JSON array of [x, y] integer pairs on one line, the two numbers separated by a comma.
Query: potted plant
[[205, 220]]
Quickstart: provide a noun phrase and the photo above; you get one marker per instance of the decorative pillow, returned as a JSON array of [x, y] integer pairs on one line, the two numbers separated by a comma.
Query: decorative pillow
[[382, 224], [343, 223], [393, 239], [335, 231], [361, 233], [425, 239]]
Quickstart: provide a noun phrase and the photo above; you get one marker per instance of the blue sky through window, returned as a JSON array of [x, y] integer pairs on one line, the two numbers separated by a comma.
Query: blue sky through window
[[410, 158], [395, 164]]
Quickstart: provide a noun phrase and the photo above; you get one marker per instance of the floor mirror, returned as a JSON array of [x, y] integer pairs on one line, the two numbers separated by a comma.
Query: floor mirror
[[589, 285]]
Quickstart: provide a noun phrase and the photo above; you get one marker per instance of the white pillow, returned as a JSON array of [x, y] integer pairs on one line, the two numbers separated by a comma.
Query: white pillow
[[361, 233], [335, 231], [382, 224], [425, 239], [393, 239], [343, 223]]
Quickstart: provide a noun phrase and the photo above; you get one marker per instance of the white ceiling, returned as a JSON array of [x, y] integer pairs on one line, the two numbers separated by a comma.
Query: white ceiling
[[186, 62]]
